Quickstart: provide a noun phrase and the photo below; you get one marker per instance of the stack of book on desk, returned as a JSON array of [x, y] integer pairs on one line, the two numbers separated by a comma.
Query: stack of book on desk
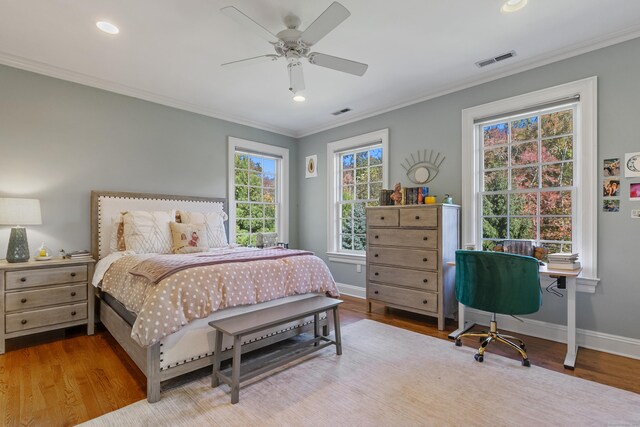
[[563, 261], [78, 255]]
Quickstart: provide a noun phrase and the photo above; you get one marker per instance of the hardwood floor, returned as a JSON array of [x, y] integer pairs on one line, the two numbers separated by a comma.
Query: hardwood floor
[[64, 378]]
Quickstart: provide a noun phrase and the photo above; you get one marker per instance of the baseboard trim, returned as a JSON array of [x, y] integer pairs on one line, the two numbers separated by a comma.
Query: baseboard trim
[[352, 291], [608, 343]]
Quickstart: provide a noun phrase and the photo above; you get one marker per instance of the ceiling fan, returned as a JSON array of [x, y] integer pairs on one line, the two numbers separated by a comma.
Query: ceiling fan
[[293, 44]]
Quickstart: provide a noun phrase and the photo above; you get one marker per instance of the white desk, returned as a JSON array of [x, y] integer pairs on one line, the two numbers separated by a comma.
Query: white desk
[[571, 277]]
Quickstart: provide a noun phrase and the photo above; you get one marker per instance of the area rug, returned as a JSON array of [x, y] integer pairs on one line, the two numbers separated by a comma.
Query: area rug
[[388, 376]]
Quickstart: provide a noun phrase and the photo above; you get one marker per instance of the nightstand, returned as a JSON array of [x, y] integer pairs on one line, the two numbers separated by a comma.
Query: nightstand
[[39, 296]]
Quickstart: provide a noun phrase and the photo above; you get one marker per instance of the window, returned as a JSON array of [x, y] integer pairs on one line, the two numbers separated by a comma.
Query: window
[[258, 191], [527, 189], [529, 172], [357, 172]]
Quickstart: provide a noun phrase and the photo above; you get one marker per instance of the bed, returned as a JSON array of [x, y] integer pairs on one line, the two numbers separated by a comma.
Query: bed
[[191, 346]]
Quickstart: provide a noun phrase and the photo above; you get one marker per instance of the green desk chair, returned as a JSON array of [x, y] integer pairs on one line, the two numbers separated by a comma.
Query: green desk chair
[[498, 283]]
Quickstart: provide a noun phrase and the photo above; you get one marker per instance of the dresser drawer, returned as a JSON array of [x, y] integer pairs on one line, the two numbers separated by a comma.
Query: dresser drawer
[[45, 317], [403, 257], [394, 237], [403, 297], [424, 280], [24, 300], [383, 217], [419, 217], [45, 276]]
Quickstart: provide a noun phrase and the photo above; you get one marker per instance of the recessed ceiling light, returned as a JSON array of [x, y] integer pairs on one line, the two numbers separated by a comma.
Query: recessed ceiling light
[[299, 98], [513, 5], [107, 27]]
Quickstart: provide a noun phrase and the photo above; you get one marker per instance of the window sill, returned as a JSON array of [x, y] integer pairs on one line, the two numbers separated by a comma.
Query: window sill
[[587, 284], [358, 259]]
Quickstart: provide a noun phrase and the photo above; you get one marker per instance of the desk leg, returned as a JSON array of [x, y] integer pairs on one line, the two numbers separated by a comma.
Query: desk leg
[[462, 325], [572, 347], [235, 369], [217, 358]]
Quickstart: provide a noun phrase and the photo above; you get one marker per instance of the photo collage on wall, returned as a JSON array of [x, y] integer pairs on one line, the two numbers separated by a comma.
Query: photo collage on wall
[[612, 185]]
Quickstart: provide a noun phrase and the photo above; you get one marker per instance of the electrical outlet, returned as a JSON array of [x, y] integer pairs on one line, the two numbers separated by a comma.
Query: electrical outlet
[[358, 268]]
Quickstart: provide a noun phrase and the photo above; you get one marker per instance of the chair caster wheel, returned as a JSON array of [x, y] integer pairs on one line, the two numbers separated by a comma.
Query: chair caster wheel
[[458, 343], [525, 362], [478, 357]]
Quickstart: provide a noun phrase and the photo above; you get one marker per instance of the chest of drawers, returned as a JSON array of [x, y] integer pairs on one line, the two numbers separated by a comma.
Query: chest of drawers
[[39, 296], [408, 248]]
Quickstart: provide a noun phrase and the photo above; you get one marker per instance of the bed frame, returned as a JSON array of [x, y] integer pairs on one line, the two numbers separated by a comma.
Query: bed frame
[[149, 359]]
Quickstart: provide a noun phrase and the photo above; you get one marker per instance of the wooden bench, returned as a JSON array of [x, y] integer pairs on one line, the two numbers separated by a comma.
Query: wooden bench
[[247, 323]]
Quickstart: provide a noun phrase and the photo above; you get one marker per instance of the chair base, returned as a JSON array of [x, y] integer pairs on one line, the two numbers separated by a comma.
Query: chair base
[[493, 335]]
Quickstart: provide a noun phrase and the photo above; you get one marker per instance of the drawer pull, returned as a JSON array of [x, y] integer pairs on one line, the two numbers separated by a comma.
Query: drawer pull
[[73, 294], [375, 237], [424, 301], [417, 216], [381, 218], [376, 274], [425, 280], [424, 259], [73, 274], [425, 238], [73, 313], [23, 300], [375, 292], [24, 321], [23, 279], [375, 255]]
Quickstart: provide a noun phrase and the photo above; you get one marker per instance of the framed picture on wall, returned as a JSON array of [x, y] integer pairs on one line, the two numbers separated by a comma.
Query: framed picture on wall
[[632, 165], [311, 168]]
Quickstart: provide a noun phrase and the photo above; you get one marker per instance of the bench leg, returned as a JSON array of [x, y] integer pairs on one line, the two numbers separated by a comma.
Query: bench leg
[[336, 327], [325, 327], [316, 327], [217, 358], [235, 369]]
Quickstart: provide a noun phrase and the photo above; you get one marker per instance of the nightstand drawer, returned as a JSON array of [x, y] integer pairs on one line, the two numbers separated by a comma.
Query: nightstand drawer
[[426, 280], [49, 316], [383, 217], [396, 237], [412, 258], [419, 217], [405, 297], [45, 276], [16, 301]]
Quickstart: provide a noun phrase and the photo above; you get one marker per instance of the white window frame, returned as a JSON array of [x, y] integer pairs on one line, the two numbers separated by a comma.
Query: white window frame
[[282, 172], [333, 184], [585, 167]]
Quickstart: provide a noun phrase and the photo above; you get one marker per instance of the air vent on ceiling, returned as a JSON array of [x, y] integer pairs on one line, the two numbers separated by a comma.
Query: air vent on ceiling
[[344, 110], [495, 59]]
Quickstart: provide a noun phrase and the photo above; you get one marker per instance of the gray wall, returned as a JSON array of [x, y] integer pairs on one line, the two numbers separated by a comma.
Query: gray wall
[[436, 124], [60, 140]]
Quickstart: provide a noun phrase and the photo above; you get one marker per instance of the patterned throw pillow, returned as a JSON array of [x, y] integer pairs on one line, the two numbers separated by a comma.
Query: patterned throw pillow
[[148, 232], [116, 242], [214, 222], [188, 238]]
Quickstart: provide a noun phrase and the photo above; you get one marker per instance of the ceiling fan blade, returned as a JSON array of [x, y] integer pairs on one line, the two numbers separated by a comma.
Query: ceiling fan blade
[[250, 61], [339, 64], [296, 78], [325, 23], [249, 24]]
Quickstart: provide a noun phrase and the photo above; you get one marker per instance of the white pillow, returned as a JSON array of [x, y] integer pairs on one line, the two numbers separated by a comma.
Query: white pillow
[[216, 235], [148, 232]]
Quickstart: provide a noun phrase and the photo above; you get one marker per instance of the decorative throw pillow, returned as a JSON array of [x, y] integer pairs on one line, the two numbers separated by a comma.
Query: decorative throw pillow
[[188, 238], [116, 242], [148, 232], [214, 222]]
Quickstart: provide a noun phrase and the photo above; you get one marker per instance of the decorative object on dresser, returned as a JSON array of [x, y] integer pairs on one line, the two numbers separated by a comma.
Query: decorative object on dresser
[[408, 248], [19, 211], [38, 297]]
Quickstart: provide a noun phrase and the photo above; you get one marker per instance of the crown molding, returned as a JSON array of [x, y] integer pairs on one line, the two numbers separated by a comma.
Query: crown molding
[[96, 82], [538, 61]]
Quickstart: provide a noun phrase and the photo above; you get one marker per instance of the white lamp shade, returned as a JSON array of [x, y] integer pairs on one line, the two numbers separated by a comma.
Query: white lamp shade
[[20, 211]]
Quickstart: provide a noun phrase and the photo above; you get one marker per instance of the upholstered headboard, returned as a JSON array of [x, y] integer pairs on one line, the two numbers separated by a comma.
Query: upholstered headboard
[[107, 204]]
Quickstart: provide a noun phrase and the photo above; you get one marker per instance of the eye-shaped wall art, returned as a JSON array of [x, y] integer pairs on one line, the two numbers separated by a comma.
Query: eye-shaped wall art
[[425, 168]]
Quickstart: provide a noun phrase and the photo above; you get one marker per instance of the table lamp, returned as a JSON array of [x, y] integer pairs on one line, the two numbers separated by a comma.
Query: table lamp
[[14, 212]]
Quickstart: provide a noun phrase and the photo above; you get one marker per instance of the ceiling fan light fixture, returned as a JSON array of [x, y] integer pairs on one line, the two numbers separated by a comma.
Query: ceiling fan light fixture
[[299, 98], [107, 27], [513, 5]]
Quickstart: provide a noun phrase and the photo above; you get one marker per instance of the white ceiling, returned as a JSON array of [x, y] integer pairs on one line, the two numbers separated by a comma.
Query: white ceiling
[[170, 51]]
